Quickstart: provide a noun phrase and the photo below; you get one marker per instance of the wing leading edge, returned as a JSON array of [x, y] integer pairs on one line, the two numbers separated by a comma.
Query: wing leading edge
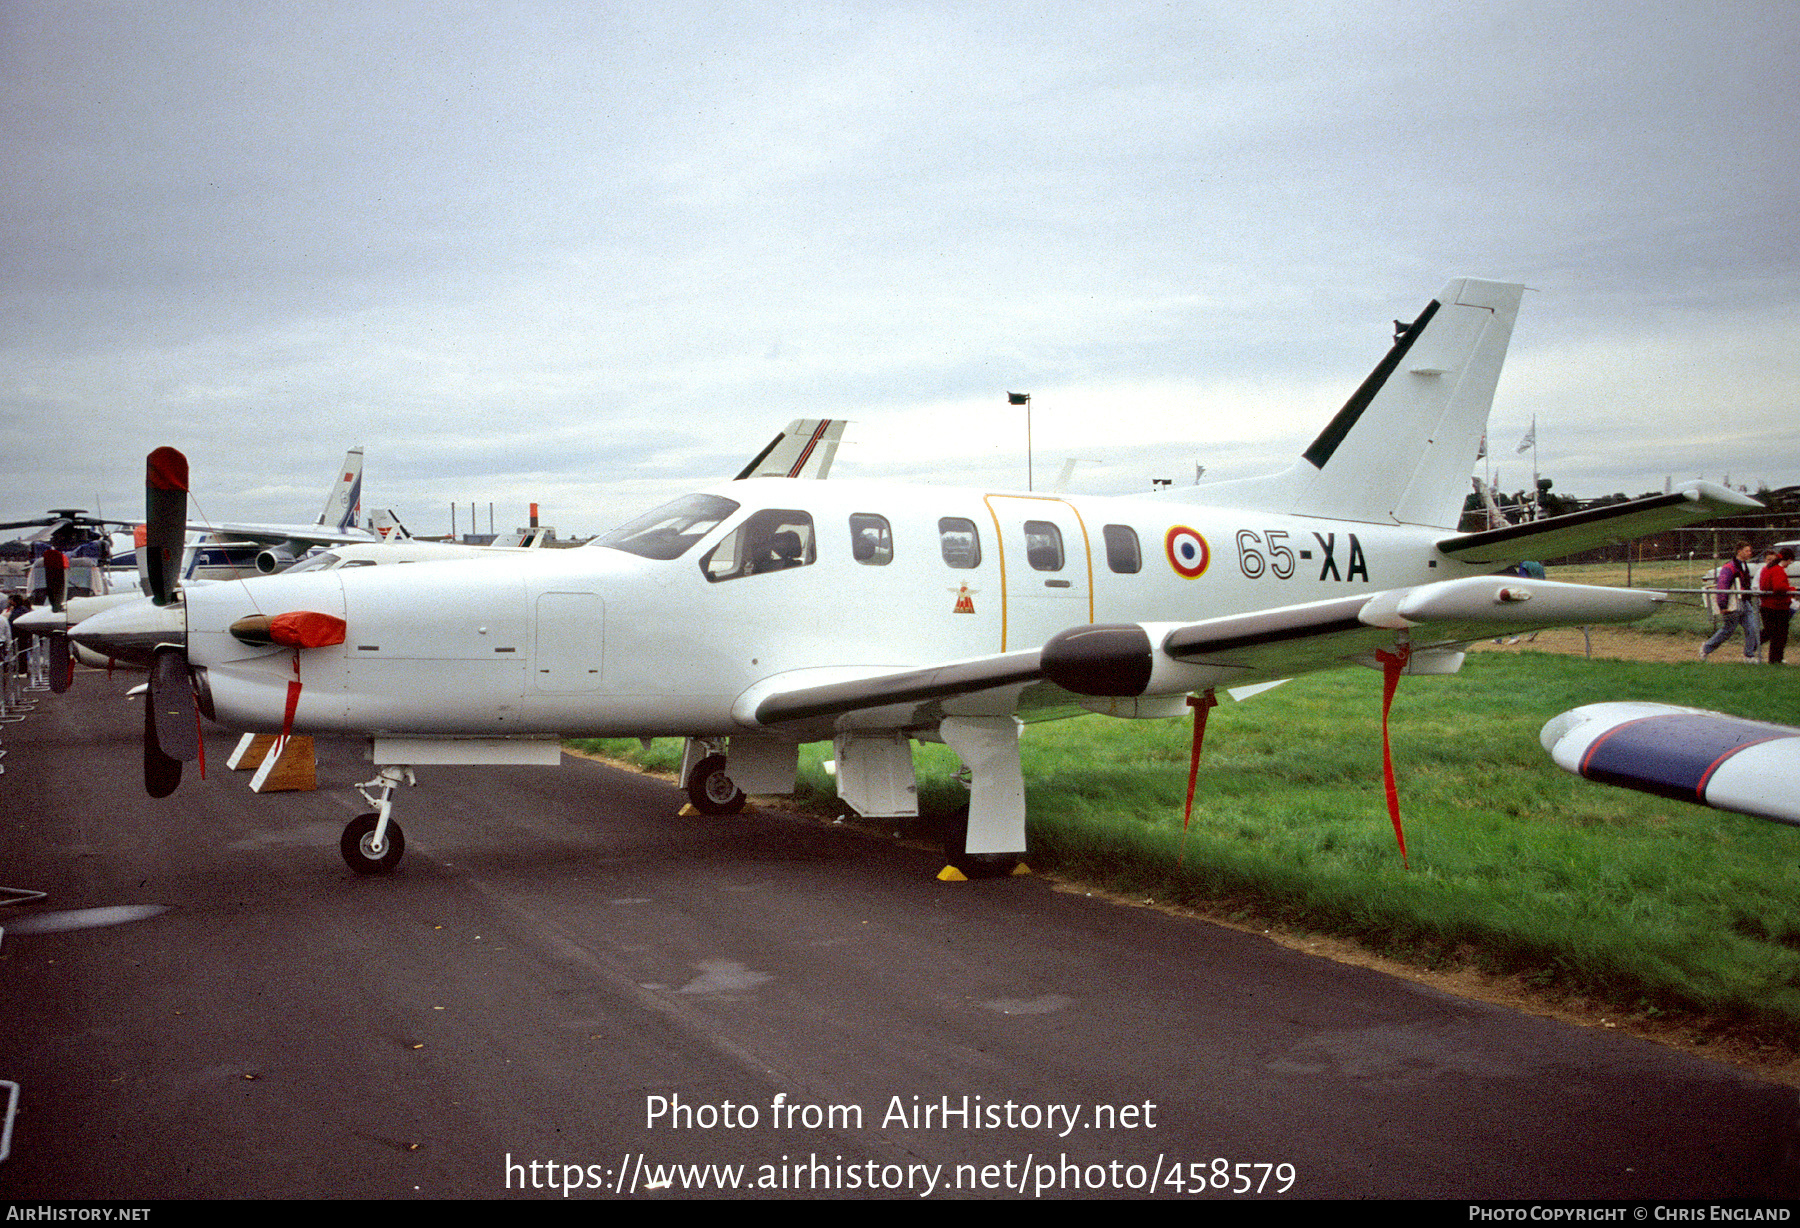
[[1557, 536]]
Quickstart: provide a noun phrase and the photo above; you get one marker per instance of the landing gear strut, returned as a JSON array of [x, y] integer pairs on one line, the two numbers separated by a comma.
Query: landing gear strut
[[374, 843]]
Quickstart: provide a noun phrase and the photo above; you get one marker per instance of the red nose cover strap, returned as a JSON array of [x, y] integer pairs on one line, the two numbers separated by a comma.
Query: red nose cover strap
[[305, 629], [1201, 704], [302, 629], [1391, 665]]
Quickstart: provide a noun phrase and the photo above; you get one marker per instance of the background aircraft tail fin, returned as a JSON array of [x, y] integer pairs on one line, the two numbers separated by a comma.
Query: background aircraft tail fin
[[387, 526], [805, 450], [1402, 447], [345, 499]]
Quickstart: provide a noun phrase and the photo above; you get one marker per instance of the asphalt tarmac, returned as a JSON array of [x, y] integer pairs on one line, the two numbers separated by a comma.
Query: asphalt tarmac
[[568, 987]]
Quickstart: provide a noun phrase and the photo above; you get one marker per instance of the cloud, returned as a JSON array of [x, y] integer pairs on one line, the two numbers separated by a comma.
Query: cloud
[[604, 254]]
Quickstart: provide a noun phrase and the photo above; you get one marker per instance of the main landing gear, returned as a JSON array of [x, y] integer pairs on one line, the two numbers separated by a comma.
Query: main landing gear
[[711, 789], [374, 843], [974, 865]]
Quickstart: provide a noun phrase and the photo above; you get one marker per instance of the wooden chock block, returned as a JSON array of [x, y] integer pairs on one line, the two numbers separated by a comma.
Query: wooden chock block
[[295, 768], [248, 755]]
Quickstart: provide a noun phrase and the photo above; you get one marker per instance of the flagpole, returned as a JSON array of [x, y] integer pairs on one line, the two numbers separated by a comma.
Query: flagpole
[[1537, 496]]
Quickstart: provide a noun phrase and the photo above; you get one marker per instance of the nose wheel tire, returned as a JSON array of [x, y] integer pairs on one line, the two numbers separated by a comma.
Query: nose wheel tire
[[358, 845], [711, 789]]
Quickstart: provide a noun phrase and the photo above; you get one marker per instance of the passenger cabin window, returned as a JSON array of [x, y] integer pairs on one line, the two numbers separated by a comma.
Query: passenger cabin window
[[1043, 546], [871, 539], [960, 543], [774, 539], [666, 532], [1122, 553]]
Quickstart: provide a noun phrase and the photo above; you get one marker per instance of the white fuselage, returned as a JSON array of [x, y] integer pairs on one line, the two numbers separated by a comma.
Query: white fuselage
[[601, 642]]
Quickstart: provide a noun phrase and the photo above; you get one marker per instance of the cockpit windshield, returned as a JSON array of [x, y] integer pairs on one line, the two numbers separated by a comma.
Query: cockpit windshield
[[666, 532]]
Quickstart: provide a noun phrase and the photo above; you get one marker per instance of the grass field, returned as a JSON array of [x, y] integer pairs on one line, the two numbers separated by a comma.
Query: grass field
[[1517, 868]]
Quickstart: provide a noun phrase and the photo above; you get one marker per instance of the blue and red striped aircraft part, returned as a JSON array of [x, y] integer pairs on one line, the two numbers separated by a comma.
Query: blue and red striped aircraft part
[[1673, 755], [807, 451]]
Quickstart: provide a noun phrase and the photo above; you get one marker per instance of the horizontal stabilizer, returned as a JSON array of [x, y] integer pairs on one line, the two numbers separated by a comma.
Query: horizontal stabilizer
[[1559, 536]]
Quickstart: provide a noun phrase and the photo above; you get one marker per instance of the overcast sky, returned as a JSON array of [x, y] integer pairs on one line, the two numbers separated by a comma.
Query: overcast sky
[[596, 254]]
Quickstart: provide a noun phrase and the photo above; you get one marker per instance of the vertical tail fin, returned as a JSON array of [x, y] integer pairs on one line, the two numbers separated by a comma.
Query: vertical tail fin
[[1402, 447], [387, 526], [805, 450], [345, 499]]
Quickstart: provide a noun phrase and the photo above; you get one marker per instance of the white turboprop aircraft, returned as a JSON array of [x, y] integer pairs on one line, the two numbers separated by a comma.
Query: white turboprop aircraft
[[757, 615]]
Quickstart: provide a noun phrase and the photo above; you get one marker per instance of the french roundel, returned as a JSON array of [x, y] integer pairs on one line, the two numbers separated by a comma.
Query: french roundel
[[1187, 551]]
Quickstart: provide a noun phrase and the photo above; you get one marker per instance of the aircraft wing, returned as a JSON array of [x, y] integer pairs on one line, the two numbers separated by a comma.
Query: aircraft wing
[[1557, 536], [277, 534], [811, 694], [805, 450], [1438, 621], [1119, 660], [1687, 754]]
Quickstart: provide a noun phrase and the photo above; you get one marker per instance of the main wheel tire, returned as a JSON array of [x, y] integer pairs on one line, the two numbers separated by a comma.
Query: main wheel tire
[[712, 790], [356, 845]]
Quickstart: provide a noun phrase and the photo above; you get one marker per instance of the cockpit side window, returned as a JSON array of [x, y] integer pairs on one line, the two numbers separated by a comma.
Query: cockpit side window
[[960, 542], [666, 532], [871, 539], [774, 539]]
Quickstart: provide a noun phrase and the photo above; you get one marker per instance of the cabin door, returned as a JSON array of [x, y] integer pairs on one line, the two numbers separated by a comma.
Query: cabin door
[[1046, 568]]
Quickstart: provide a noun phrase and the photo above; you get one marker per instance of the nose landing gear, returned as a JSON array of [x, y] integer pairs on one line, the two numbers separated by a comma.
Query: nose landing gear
[[374, 843]]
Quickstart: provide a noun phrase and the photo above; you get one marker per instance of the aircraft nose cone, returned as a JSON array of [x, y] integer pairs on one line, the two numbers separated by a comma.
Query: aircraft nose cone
[[131, 632]]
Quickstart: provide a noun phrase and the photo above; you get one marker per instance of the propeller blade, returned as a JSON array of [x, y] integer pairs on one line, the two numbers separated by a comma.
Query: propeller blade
[[165, 519], [161, 774], [56, 578], [62, 662], [177, 722]]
